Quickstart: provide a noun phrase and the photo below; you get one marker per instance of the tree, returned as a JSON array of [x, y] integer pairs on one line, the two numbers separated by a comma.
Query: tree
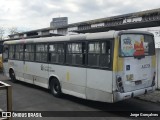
[[13, 30], [2, 32]]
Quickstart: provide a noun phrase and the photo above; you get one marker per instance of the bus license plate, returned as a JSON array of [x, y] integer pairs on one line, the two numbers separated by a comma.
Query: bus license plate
[[138, 82]]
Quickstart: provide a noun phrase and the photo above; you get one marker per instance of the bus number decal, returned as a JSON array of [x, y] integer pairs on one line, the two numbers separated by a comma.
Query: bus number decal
[[146, 66]]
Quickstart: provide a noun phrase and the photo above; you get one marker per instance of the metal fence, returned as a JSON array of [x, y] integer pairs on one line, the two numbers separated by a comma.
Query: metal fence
[[5, 99]]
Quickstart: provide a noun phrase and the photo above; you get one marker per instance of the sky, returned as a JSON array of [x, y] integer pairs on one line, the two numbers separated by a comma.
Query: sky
[[36, 14]]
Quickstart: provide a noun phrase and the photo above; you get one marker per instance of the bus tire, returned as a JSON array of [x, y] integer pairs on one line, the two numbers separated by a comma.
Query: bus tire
[[12, 76], [55, 87]]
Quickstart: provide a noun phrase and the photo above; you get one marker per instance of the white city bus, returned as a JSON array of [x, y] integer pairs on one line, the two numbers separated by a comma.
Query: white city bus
[[107, 66]]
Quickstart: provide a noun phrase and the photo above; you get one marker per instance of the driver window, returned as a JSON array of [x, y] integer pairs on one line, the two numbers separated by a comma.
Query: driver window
[[5, 53]]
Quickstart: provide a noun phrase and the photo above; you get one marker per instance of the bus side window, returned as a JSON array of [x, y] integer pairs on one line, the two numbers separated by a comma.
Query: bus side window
[[29, 52], [41, 52], [11, 51], [60, 53], [19, 52], [56, 53], [105, 54], [99, 54], [49, 57], [21, 49], [74, 54], [93, 54], [17, 49]]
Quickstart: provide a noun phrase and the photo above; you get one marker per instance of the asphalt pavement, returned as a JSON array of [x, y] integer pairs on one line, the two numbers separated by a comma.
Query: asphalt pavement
[[27, 97]]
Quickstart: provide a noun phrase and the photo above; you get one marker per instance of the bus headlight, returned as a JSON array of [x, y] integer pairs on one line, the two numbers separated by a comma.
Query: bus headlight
[[119, 84]]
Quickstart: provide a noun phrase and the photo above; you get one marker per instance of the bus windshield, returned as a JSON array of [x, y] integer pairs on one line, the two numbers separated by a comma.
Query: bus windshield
[[134, 45]]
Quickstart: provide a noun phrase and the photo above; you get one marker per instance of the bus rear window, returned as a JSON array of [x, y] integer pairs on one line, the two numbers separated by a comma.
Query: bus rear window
[[136, 45]]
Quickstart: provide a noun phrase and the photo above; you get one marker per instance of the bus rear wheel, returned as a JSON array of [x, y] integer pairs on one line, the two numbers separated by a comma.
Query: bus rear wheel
[[12, 76], [55, 88]]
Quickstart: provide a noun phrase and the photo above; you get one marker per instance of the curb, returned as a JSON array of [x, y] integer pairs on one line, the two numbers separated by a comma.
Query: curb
[[150, 97], [157, 101]]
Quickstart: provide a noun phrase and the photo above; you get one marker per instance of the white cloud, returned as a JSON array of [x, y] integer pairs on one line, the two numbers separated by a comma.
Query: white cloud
[[72, 7], [36, 14]]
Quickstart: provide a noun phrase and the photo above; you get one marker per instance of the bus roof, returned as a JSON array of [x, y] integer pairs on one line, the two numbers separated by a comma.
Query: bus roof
[[78, 37]]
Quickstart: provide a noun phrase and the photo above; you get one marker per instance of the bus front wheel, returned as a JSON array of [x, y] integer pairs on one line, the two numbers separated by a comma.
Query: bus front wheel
[[55, 88], [12, 76]]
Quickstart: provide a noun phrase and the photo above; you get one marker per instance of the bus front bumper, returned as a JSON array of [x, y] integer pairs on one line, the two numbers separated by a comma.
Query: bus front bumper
[[122, 96]]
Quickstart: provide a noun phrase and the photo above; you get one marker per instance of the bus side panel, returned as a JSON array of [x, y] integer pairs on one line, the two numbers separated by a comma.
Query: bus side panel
[[18, 69], [72, 79], [99, 85], [40, 72]]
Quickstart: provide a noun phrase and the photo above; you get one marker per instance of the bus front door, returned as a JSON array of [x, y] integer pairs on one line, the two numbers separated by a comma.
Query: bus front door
[[5, 66]]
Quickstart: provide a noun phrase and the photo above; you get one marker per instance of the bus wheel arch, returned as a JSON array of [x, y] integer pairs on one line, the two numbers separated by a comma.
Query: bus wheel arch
[[55, 86], [12, 75]]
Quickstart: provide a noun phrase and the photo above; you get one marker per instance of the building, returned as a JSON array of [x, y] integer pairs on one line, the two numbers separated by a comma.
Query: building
[[143, 19], [59, 22]]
